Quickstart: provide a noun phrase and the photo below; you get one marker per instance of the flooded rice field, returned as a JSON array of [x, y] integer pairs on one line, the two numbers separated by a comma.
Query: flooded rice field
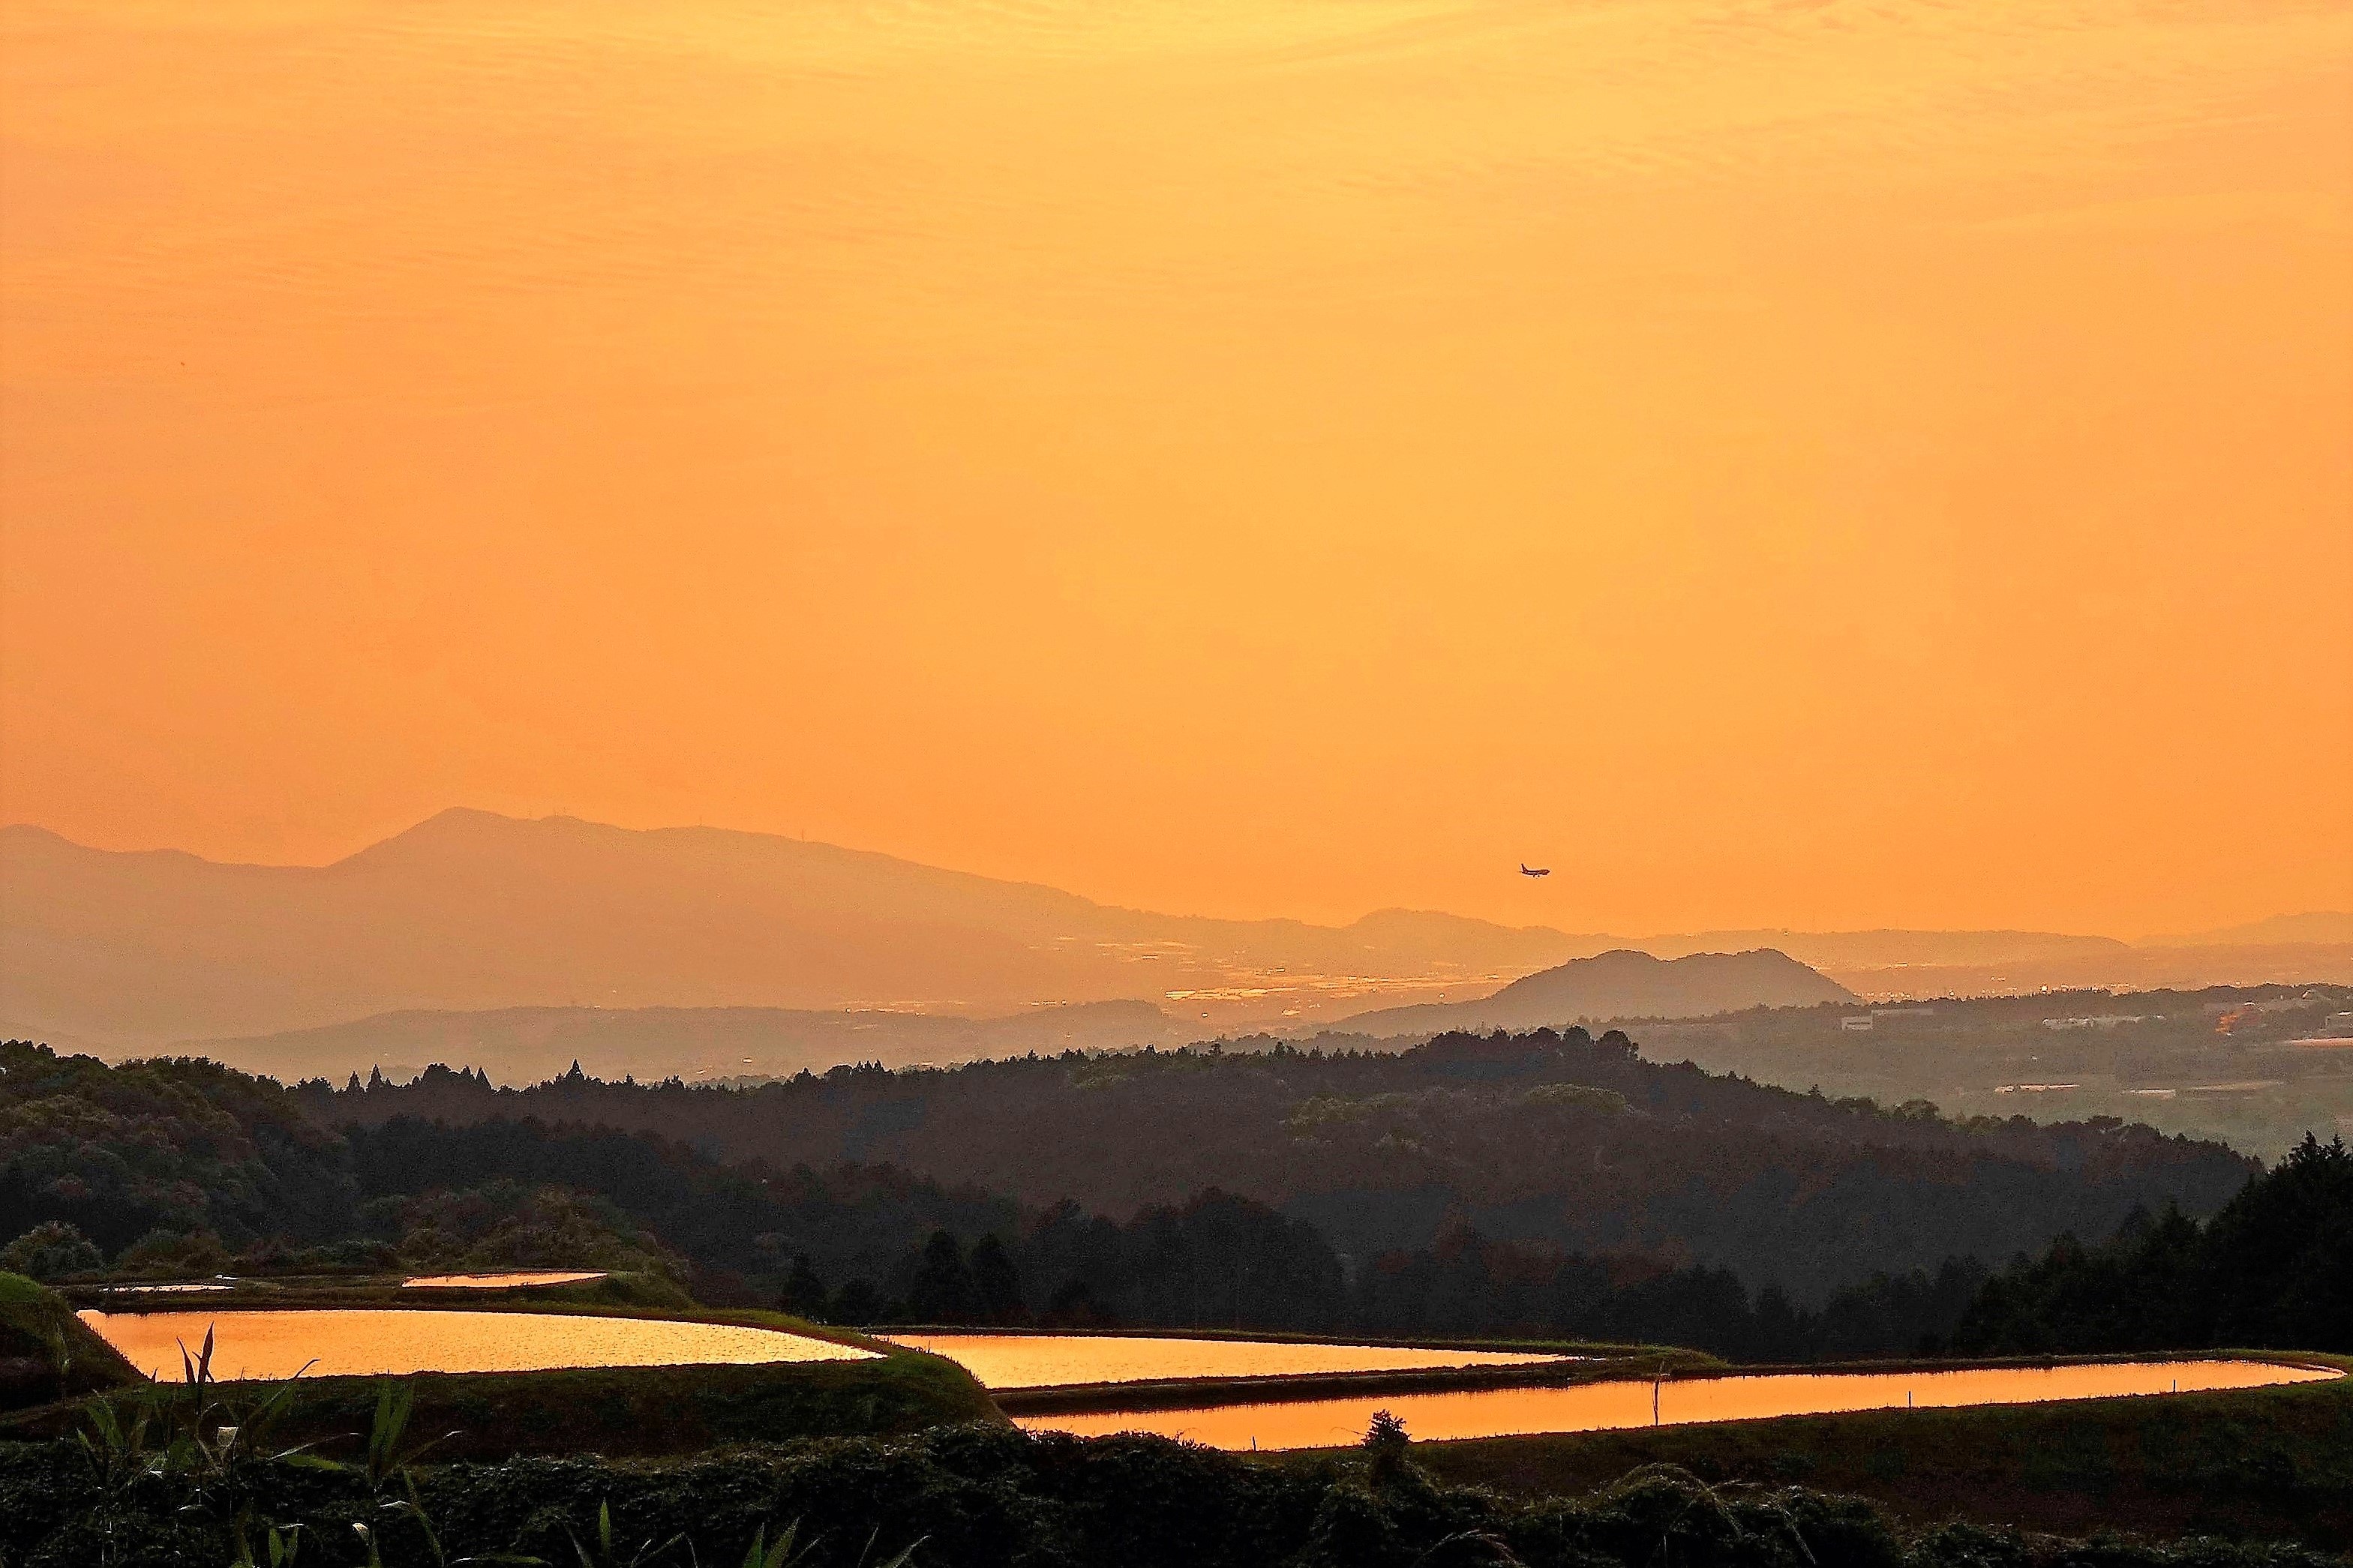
[[501, 1281], [1603, 1407], [1048, 1361], [336, 1341]]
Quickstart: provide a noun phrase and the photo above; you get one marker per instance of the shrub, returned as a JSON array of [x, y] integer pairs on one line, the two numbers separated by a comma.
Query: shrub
[[51, 1250]]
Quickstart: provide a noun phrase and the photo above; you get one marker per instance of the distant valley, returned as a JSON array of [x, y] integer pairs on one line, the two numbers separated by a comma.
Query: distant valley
[[702, 1045]]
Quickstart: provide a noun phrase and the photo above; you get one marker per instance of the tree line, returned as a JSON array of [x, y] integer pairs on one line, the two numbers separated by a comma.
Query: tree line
[[185, 1167], [2273, 1269], [1543, 1138]]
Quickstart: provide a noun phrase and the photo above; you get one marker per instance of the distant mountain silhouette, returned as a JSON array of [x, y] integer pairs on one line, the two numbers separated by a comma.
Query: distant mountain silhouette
[[1621, 985], [470, 912], [2322, 927], [1834, 950]]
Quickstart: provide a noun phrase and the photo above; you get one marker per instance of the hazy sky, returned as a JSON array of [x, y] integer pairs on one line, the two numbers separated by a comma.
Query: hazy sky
[[1825, 463]]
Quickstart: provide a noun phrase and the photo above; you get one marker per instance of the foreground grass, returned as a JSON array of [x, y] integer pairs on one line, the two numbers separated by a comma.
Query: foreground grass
[[2245, 1464], [986, 1496], [636, 1410]]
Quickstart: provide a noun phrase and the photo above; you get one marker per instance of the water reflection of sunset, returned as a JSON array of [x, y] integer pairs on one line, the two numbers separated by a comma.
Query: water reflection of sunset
[[354, 1341], [1600, 1406]]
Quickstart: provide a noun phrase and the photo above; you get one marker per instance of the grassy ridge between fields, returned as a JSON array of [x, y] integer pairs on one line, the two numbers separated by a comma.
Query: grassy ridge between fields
[[2244, 1463], [46, 1353], [1186, 1393]]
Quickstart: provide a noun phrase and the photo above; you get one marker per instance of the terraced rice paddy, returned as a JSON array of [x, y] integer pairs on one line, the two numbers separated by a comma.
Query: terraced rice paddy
[[358, 1341], [1050, 1361], [1603, 1407], [501, 1281]]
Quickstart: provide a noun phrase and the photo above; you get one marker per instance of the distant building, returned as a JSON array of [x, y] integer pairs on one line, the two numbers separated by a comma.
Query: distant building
[[1859, 1024]]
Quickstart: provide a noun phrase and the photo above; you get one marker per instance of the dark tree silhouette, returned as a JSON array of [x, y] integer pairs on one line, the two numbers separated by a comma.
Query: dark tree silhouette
[[2274, 1269], [859, 1304], [942, 1291], [804, 1292], [996, 1284]]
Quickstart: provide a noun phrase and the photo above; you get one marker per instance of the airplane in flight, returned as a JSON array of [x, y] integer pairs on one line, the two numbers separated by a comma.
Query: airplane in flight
[[1528, 870]]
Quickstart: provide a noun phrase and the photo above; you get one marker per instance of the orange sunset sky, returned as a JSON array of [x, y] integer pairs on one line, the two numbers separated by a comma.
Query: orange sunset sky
[[1824, 464]]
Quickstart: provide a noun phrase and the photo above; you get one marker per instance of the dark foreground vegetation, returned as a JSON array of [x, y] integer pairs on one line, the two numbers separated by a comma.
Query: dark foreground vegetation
[[977, 1495]]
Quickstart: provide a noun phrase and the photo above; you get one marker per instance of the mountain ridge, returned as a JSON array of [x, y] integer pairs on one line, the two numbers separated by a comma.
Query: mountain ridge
[[470, 910], [1621, 984]]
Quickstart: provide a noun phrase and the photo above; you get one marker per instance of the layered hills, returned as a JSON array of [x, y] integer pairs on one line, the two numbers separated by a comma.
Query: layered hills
[[470, 910], [1547, 1139], [522, 1045], [471, 913]]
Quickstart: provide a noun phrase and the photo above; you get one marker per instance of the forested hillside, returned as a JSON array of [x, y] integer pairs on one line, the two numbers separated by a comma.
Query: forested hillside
[[1547, 1139], [205, 1170], [174, 1167], [2273, 1267], [174, 1146]]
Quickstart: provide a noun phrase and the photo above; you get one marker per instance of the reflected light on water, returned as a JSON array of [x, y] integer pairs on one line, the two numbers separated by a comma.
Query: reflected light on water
[[500, 1281], [1603, 1407], [1046, 1361], [362, 1340]]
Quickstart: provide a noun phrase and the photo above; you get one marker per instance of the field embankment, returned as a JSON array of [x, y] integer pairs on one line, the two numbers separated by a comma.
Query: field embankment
[[46, 1352]]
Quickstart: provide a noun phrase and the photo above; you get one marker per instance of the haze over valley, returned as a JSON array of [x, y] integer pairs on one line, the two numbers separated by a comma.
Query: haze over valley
[[471, 913]]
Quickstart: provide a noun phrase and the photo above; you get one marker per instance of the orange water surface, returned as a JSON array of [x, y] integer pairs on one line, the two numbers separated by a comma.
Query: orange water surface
[[1046, 1361], [500, 1281], [336, 1341], [1600, 1406]]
